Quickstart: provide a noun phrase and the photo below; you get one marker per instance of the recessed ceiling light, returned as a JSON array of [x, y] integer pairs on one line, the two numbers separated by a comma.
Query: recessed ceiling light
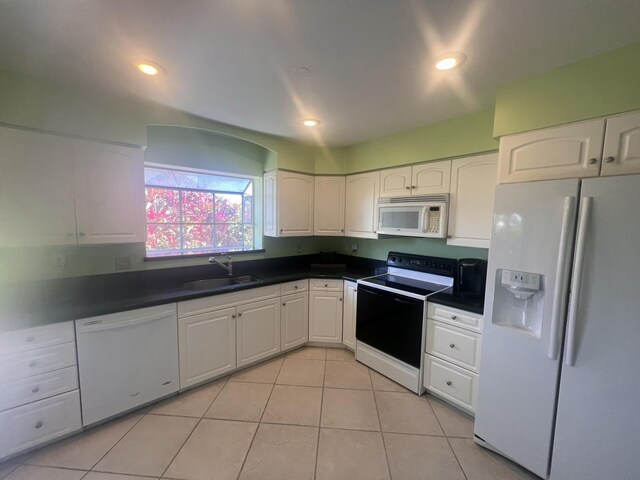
[[450, 60], [311, 122], [149, 68]]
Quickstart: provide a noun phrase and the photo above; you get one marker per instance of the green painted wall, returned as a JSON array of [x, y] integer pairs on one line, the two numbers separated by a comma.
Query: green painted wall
[[450, 138], [598, 86]]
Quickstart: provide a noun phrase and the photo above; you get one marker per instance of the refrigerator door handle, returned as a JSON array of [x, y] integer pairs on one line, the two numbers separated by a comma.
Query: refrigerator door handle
[[561, 268], [576, 281]]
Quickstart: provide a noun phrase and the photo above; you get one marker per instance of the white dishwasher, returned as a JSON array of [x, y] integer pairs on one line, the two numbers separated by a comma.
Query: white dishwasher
[[126, 359]]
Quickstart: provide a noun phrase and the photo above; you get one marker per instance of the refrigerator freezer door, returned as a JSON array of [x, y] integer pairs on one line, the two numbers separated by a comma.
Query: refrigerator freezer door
[[598, 420], [518, 379]]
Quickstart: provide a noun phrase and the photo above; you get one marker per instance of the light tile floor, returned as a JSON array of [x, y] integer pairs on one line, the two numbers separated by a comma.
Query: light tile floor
[[314, 413]]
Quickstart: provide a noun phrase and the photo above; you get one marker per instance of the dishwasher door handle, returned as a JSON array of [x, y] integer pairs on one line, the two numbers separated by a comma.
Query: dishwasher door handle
[[102, 326]]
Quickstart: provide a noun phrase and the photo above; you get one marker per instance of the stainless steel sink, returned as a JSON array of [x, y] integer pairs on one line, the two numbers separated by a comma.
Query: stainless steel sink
[[210, 283]]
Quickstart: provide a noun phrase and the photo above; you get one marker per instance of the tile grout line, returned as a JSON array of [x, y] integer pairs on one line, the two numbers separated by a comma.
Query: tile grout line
[[193, 429], [255, 434], [384, 444], [324, 372]]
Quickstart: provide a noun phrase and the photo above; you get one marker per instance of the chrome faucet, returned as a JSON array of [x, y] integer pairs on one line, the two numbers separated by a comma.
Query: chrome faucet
[[228, 266]]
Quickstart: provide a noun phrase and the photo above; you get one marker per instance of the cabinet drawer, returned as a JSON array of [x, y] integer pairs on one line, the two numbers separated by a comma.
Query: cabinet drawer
[[37, 387], [456, 317], [454, 344], [30, 425], [456, 384], [36, 337], [294, 287], [226, 300], [325, 284], [26, 364]]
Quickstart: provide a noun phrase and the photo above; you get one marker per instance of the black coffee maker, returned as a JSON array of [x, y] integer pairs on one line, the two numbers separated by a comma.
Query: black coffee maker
[[472, 275]]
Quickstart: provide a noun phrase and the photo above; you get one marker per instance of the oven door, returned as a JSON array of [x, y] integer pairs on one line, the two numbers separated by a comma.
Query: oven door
[[391, 323]]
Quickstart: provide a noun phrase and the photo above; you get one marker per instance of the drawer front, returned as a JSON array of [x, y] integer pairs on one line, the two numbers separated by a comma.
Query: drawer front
[[455, 316], [217, 302], [454, 344], [294, 287], [37, 387], [325, 284], [34, 362], [36, 337], [30, 425], [452, 382]]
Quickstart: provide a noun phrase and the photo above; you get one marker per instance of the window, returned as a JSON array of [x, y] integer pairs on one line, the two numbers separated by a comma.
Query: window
[[190, 212]]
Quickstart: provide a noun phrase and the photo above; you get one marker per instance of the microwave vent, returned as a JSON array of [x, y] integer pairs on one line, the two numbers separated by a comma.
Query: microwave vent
[[443, 198]]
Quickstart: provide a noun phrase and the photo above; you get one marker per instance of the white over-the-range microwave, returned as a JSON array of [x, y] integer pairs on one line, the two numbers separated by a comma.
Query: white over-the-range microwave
[[419, 216]]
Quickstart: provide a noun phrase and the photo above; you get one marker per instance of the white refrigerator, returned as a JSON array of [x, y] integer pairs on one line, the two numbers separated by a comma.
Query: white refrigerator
[[559, 385]]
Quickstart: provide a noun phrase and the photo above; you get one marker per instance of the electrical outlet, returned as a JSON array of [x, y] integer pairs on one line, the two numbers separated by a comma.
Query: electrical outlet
[[298, 249], [123, 263], [354, 247]]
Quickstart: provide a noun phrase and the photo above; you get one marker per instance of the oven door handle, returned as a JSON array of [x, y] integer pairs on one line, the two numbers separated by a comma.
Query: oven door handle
[[404, 301], [363, 287]]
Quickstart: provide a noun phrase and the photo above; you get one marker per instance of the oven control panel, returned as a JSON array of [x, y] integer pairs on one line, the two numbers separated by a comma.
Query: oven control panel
[[421, 263]]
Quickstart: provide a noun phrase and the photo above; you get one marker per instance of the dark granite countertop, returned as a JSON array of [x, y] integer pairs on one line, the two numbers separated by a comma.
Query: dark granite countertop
[[51, 301], [451, 298]]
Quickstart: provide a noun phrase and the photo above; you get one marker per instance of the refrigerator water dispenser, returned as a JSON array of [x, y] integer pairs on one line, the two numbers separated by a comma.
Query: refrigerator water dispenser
[[518, 301]]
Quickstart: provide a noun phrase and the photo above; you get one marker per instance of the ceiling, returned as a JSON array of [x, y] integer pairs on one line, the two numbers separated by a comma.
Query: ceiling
[[370, 61]]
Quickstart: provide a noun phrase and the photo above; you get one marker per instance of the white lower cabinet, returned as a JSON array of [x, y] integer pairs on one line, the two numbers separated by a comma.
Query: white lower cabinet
[[294, 324], [325, 314], [207, 345], [452, 355], [258, 331], [349, 314]]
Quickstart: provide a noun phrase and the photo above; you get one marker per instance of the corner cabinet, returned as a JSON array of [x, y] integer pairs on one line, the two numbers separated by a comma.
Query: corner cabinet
[[60, 191], [349, 314], [329, 206], [294, 326], [288, 204], [473, 181], [361, 214], [325, 310]]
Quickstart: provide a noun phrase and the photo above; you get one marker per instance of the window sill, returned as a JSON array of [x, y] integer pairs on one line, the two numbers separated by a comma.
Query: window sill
[[200, 255]]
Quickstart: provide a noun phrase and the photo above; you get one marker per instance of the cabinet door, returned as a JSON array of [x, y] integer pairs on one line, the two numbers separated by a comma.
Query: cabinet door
[[570, 151], [295, 320], [395, 182], [361, 215], [473, 182], [328, 212], [110, 201], [270, 204], [36, 190], [258, 331], [430, 178], [349, 315], [622, 145], [325, 316], [207, 346], [295, 205]]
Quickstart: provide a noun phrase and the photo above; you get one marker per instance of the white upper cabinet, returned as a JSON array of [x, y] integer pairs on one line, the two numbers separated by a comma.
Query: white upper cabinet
[[395, 182], [288, 204], [60, 191], [473, 181], [329, 206], [431, 178], [36, 190], [424, 179], [621, 153], [361, 215], [569, 151], [109, 194]]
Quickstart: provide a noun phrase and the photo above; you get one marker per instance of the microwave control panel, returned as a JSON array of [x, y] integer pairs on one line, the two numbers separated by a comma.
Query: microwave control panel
[[433, 220]]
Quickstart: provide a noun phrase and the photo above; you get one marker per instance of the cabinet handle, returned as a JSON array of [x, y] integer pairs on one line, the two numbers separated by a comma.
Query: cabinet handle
[[295, 287], [342, 229], [593, 161], [408, 187], [35, 389], [284, 304], [239, 314], [449, 236], [610, 159], [281, 230], [326, 285], [233, 316], [453, 317], [452, 345], [340, 299], [33, 364], [81, 234], [448, 383], [413, 186], [39, 424]]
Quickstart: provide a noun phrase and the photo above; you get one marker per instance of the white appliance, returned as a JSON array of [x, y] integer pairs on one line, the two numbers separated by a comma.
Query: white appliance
[[391, 315], [126, 360], [419, 216], [559, 383]]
